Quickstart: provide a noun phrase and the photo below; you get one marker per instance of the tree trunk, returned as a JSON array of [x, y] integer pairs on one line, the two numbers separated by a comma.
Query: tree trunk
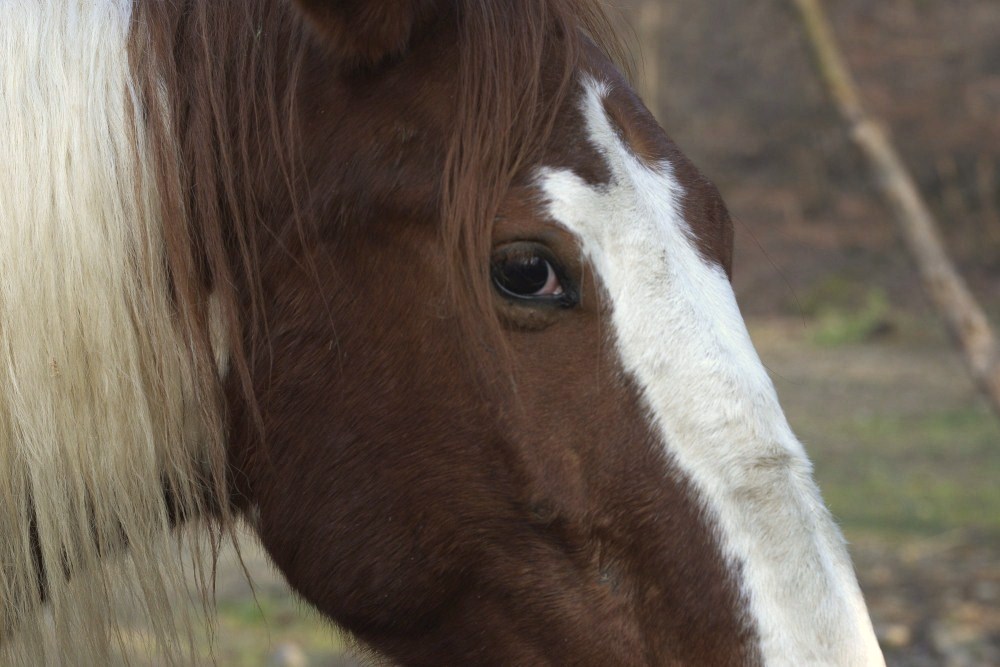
[[945, 287]]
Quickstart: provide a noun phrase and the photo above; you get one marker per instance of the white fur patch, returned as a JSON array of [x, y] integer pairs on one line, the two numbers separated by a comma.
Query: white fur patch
[[680, 335]]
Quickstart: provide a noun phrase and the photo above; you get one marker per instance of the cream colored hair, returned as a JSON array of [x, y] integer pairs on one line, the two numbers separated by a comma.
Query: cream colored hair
[[101, 404]]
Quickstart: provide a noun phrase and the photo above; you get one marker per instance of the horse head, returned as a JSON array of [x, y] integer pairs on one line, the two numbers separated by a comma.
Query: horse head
[[461, 343]]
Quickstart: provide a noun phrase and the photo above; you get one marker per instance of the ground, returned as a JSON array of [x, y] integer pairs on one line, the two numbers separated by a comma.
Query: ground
[[907, 456]]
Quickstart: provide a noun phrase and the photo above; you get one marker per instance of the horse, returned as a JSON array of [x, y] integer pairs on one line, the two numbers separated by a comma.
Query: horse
[[420, 292]]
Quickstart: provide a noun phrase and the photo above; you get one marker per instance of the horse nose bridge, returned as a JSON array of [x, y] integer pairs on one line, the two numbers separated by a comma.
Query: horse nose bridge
[[679, 335]]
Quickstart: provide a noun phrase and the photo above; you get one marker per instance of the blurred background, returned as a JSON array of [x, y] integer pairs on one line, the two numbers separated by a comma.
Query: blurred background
[[906, 451]]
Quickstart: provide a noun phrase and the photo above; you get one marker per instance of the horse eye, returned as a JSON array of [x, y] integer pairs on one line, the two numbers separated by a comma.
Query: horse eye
[[528, 276]]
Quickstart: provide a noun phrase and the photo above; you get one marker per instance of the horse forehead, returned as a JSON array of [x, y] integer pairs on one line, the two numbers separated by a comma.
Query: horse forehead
[[617, 166], [608, 139]]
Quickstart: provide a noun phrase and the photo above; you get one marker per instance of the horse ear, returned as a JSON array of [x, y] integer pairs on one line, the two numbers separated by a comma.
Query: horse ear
[[365, 32]]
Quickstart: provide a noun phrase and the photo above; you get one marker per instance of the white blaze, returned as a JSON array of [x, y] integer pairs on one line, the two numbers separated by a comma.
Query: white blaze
[[680, 335]]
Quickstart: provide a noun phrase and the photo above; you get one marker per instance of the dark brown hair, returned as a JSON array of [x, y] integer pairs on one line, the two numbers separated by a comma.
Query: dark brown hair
[[226, 75]]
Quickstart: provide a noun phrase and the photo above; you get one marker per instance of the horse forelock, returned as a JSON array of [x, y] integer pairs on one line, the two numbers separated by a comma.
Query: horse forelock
[[221, 91], [228, 75], [518, 63]]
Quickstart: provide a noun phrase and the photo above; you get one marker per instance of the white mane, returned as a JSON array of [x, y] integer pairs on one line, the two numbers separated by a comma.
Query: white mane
[[98, 401]]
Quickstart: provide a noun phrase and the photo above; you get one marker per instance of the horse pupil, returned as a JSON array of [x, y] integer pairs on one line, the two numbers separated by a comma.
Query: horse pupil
[[524, 276]]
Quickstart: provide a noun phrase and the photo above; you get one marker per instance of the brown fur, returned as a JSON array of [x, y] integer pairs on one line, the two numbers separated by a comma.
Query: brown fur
[[444, 475]]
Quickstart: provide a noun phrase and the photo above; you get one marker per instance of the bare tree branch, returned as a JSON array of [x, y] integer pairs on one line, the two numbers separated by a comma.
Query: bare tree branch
[[945, 287]]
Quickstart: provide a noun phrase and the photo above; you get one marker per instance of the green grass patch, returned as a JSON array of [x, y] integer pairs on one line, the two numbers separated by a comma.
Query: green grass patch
[[248, 631], [846, 311], [919, 474], [867, 321]]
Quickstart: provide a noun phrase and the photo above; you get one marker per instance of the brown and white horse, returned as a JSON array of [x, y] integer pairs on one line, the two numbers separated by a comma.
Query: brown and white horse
[[420, 290]]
